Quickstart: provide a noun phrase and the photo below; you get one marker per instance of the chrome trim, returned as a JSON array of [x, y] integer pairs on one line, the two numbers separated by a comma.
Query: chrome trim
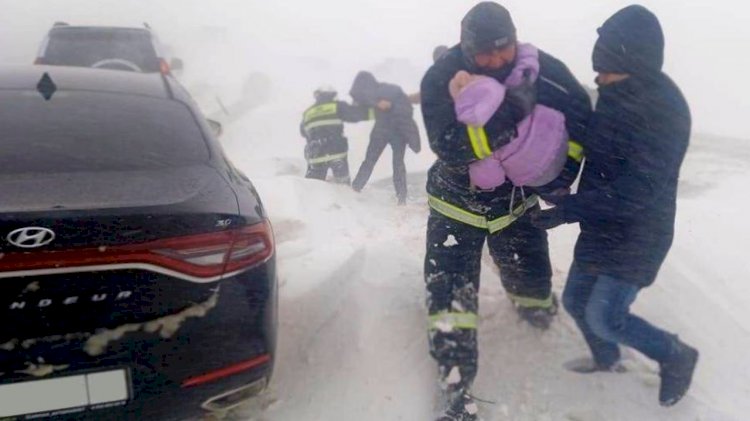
[[124, 266], [244, 394]]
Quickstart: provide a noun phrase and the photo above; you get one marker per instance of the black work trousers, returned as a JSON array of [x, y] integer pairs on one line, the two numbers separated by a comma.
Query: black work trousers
[[451, 268]]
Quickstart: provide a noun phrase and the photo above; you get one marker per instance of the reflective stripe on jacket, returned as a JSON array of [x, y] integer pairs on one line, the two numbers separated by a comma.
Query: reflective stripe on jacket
[[321, 115]]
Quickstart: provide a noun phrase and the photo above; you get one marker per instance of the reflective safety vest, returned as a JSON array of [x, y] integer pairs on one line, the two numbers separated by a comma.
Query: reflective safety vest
[[480, 221], [321, 115]]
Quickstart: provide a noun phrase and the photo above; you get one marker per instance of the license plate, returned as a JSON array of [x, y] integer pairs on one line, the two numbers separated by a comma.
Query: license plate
[[64, 395]]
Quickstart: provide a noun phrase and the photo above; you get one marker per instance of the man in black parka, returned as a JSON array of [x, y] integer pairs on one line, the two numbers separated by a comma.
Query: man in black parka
[[626, 201]]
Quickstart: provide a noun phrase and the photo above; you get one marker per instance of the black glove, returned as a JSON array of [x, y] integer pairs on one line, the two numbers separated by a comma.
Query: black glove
[[521, 100], [518, 104], [548, 218]]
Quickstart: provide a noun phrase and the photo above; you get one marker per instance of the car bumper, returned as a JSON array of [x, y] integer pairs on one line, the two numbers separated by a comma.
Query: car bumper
[[229, 348]]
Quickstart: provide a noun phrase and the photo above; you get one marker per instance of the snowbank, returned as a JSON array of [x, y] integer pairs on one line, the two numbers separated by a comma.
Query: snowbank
[[352, 343]]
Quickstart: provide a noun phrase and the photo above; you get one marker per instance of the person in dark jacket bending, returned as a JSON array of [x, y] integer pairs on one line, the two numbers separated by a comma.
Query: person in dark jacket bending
[[394, 125], [463, 217], [626, 201], [323, 128]]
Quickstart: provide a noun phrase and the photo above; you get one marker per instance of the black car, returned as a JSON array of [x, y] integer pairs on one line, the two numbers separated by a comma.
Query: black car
[[105, 47], [137, 265]]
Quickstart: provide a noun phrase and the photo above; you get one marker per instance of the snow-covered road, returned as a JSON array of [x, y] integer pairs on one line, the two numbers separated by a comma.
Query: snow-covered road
[[352, 341]]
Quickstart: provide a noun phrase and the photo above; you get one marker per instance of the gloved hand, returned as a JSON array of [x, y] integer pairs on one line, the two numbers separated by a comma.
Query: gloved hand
[[312, 149], [548, 218], [521, 100]]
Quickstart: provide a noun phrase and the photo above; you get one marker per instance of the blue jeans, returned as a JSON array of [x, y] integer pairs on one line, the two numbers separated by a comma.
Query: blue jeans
[[600, 305]]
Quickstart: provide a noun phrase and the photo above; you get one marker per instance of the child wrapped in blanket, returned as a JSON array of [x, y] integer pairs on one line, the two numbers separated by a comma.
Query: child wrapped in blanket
[[537, 154]]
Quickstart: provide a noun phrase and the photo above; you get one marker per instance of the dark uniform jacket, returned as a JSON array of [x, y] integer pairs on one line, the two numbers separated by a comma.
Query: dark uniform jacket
[[323, 127]]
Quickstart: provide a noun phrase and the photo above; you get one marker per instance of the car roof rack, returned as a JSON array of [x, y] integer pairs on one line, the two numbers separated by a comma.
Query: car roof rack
[[60, 23]]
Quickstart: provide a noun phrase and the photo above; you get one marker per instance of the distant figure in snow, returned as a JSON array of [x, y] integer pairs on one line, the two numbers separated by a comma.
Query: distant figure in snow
[[394, 125], [323, 128], [626, 202]]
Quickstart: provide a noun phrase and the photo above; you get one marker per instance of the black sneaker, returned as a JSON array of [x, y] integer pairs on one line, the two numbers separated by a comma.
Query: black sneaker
[[463, 408], [676, 374], [536, 316]]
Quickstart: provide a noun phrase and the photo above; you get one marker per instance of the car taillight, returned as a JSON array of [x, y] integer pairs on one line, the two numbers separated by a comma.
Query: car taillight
[[199, 258], [213, 254], [164, 67]]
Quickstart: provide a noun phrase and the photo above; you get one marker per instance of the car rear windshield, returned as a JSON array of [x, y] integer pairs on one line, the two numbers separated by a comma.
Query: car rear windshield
[[85, 47], [88, 131]]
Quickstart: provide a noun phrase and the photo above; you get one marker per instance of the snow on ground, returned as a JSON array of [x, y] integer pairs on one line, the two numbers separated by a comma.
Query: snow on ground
[[352, 340]]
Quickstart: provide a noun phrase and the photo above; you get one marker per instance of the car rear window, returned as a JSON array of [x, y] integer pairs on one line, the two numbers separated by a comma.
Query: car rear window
[[84, 47], [87, 131]]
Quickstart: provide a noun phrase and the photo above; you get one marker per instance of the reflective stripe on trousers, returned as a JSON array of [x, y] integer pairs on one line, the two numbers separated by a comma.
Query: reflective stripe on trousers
[[326, 158], [530, 302], [479, 221], [447, 321]]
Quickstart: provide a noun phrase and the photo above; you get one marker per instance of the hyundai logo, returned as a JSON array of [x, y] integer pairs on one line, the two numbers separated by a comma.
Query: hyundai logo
[[31, 237]]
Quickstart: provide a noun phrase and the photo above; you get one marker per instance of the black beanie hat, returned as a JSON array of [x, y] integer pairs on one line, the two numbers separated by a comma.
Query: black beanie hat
[[485, 27], [631, 41]]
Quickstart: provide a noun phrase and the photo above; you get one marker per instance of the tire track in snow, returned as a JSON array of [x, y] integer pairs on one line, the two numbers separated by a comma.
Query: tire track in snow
[[313, 357]]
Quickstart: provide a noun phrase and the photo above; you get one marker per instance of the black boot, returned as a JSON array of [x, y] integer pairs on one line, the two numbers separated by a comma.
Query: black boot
[[676, 374], [538, 316], [460, 408]]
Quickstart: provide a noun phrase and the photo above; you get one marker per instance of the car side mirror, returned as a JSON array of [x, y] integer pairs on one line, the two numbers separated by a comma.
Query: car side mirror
[[216, 128], [176, 64]]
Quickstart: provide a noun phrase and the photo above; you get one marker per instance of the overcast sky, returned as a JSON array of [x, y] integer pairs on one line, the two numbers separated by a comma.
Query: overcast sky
[[707, 53]]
